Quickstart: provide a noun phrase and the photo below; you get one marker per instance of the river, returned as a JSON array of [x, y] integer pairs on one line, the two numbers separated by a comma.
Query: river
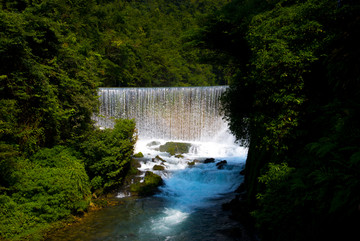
[[187, 207], [189, 204]]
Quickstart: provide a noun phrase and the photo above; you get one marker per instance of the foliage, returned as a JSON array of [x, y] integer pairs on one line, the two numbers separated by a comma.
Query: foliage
[[275, 174], [48, 95], [49, 187], [54, 182], [48, 99], [144, 46], [108, 154], [53, 56], [120, 43], [294, 100]]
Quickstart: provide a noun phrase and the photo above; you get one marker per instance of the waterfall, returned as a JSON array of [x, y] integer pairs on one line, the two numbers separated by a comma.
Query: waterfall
[[189, 204], [172, 113]]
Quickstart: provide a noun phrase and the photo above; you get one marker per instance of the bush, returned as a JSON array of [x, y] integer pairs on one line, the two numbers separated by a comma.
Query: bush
[[276, 180], [57, 181], [50, 186], [14, 221], [108, 154]]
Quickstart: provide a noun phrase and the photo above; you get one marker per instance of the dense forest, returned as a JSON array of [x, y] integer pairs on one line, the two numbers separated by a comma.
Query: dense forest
[[294, 100], [54, 54], [123, 43]]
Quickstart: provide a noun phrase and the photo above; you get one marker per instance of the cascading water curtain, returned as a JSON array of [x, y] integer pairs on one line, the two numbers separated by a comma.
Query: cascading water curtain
[[176, 113]]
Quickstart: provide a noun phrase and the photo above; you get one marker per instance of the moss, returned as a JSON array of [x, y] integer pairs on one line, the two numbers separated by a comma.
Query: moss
[[191, 163], [139, 155], [149, 186], [175, 148], [153, 143], [158, 168], [132, 172], [158, 158]]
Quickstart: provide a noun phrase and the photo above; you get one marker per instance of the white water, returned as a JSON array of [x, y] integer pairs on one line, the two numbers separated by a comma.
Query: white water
[[177, 113], [189, 190], [188, 206]]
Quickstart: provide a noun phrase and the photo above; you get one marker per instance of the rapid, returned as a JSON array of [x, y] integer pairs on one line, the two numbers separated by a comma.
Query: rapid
[[189, 204]]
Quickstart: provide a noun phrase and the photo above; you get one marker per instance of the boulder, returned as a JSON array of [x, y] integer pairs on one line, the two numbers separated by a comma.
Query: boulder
[[175, 148], [209, 160], [153, 143], [191, 163], [220, 165], [158, 168], [149, 186], [139, 155], [157, 159]]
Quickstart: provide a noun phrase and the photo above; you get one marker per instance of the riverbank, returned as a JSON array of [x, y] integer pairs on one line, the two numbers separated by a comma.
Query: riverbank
[[74, 222], [104, 201]]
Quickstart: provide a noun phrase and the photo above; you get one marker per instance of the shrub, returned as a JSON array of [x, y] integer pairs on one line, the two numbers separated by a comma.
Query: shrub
[[14, 221], [57, 181], [108, 154], [50, 186]]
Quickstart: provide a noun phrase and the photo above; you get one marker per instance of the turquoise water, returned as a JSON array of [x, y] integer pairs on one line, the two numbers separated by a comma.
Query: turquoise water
[[187, 207]]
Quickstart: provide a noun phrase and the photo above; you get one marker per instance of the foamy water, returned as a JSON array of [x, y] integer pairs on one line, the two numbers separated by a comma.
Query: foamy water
[[188, 188], [188, 206]]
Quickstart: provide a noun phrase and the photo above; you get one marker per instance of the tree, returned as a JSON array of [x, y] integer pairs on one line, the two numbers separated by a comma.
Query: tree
[[293, 100]]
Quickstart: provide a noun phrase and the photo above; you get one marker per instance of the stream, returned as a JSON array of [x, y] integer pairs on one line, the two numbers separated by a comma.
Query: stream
[[189, 204], [187, 207]]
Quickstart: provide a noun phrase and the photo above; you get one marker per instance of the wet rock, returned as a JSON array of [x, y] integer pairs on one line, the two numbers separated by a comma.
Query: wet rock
[[158, 159], [153, 143], [158, 168], [191, 163], [149, 186], [209, 160], [139, 155], [220, 165], [179, 156], [175, 148]]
